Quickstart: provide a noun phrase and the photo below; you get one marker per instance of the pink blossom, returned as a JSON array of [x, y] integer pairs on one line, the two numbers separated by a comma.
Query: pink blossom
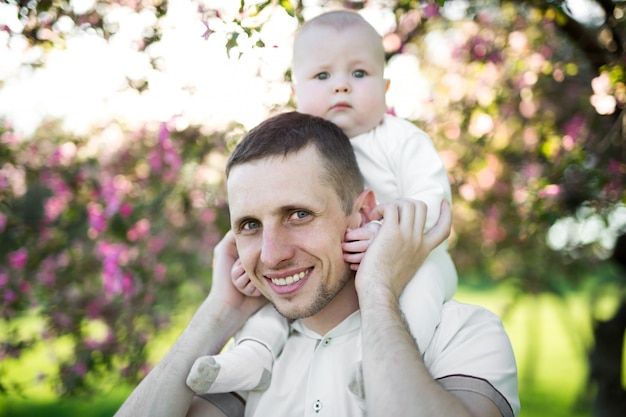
[[3, 222], [113, 191], [97, 220], [91, 344], [164, 132], [156, 245], [114, 280], [62, 319], [24, 287], [128, 285], [126, 210], [93, 309], [551, 190], [139, 230], [573, 127], [165, 157], [532, 170], [80, 369], [53, 207], [159, 272], [4, 180], [46, 274], [208, 30], [18, 258], [208, 216], [154, 159], [9, 296], [431, 10], [615, 167]]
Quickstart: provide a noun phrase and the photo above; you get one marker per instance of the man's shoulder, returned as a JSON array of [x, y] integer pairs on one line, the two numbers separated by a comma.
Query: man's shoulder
[[455, 307], [458, 318]]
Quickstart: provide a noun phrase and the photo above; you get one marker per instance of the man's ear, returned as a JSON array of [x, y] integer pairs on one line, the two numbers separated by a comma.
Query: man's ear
[[364, 204]]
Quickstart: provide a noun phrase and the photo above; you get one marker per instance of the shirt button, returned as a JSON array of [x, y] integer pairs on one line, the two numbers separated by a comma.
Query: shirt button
[[317, 406], [326, 341]]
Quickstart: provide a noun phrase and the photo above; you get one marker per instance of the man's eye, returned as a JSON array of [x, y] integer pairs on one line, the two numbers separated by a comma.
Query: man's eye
[[322, 76], [358, 74], [299, 215], [250, 225]]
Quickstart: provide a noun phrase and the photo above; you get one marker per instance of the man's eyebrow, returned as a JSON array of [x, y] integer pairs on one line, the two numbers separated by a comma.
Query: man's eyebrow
[[237, 222]]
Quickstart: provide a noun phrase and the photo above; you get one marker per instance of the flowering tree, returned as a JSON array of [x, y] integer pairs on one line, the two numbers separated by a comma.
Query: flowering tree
[[99, 241], [524, 103]]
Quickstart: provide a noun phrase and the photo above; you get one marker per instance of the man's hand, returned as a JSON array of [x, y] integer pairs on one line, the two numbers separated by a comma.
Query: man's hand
[[400, 246]]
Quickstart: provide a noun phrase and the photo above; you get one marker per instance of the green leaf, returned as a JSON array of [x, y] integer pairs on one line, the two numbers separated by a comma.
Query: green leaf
[[288, 6]]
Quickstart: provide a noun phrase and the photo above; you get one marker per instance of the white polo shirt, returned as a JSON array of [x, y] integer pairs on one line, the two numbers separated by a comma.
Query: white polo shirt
[[469, 351]]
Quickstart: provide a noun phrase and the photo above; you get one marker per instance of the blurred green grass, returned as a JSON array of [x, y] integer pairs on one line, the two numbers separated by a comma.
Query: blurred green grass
[[550, 337]]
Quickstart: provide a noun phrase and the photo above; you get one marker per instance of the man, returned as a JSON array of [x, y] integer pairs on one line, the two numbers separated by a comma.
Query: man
[[294, 189]]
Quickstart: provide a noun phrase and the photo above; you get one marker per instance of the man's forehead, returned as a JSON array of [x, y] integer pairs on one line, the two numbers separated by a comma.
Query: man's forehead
[[278, 180]]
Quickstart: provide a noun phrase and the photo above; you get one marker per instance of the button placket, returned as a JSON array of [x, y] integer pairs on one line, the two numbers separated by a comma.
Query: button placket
[[317, 406]]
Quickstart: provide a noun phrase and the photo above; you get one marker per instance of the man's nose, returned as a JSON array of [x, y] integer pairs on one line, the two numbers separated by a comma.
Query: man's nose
[[277, 246]]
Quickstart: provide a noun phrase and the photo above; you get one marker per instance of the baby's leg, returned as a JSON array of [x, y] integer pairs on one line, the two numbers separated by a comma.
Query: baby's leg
[[422, 299], [248, 364]]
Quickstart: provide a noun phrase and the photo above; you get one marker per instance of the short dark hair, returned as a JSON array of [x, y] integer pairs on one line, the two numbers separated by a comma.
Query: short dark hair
[[291, 132]]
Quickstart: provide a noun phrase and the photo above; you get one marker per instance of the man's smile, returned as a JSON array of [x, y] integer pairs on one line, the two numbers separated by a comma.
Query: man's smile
[[289, 279]]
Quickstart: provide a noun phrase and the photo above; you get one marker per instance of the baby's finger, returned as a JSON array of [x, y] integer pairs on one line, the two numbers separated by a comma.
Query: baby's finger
[[236, 270], [353, 258], [241, 281], [251, 290], [357, 246], [362, 233]]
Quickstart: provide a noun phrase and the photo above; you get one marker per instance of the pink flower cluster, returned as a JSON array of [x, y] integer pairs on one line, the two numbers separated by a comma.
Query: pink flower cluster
[[164, 160], [115, 279]]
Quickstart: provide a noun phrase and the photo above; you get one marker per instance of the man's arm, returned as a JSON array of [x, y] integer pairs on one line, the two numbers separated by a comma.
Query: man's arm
[[395, 377], [163, 391]]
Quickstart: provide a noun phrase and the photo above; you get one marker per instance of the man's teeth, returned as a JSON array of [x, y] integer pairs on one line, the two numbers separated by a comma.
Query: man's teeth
[[289, 280]]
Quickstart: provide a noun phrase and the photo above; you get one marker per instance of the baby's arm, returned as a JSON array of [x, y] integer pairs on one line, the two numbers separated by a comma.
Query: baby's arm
[[242, 282], [357, 241]]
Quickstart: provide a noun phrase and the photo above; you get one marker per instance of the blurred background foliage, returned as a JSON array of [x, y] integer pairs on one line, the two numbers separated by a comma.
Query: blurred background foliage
[[103, 235]]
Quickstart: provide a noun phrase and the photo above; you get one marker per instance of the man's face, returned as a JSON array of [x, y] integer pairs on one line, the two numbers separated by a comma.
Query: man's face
[[289, 227], [339, 77]]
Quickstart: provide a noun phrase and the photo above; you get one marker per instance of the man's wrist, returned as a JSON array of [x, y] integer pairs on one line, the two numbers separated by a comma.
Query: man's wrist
[[377, 295]]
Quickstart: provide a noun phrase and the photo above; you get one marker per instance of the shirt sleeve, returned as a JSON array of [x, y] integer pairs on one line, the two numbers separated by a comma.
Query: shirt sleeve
[[471, 351]]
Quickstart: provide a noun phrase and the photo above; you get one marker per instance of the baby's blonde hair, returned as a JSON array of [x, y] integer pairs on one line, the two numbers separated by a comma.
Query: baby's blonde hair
[[339, 20]]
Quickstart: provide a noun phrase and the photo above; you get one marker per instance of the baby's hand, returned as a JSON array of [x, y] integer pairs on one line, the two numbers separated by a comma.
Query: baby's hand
[[242, 282], [357, 241]]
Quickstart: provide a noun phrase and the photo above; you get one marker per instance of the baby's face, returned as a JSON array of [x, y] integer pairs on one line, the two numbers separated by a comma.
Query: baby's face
[[339, 76]]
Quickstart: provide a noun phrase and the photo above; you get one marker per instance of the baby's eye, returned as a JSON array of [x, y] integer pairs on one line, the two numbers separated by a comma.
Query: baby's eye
[[359, 74], [322, 76], [299, 215]]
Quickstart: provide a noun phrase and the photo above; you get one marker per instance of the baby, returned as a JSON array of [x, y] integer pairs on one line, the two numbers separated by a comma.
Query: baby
[[338, 65]]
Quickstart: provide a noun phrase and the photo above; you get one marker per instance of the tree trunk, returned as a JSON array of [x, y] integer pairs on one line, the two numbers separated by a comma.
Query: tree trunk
[[606, 366]]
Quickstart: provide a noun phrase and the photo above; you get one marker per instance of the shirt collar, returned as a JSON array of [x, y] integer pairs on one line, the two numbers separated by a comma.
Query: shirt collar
[[350, 324]]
